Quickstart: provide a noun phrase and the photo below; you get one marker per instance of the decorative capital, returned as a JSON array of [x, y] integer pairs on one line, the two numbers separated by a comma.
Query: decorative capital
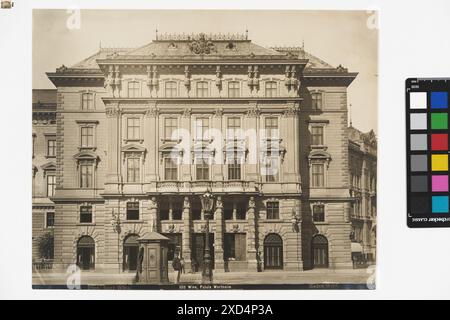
[[152, 112], [253, 111], [218, 112], [187, 112], [291, 110], [186, 203], [112, 112], [251, 203]]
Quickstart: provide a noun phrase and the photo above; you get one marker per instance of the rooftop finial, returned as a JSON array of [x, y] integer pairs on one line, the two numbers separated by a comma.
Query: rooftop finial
[[246, 34], [156, 34], [303, 44]]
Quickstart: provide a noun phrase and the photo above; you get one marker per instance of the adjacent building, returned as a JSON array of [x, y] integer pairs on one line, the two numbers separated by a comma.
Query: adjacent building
[[43, 173], [363, 184], [141, 133]]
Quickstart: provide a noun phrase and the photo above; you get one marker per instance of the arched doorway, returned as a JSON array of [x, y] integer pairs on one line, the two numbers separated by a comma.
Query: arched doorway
[[86, 253], [320, 251], [273, 252], [130, 252]]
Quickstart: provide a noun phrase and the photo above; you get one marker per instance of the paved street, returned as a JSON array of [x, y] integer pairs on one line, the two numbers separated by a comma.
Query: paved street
[[352, 276]]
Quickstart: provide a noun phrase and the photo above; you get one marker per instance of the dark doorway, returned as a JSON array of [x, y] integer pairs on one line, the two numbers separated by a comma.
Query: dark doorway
[[273, 252], [320, 251], [86, 253], [130, 252], [198, 250]]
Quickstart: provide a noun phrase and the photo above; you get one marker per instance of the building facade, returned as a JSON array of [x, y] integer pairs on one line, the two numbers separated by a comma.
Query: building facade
[[43, 173], [363, 184], [142, 133]]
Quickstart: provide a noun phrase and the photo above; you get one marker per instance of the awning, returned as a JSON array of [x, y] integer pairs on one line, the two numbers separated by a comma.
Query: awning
[[356, 247]]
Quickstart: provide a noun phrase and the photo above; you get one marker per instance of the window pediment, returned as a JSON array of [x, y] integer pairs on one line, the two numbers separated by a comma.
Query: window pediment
[[319, 155], [48, 166], [134, 148], [86, 156]]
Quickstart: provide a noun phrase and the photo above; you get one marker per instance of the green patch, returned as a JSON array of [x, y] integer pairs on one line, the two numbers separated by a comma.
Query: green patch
[[439, 121]]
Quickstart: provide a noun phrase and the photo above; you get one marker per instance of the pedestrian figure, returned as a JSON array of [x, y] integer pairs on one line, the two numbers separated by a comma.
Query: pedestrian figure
[[176, 264], [182, 265]]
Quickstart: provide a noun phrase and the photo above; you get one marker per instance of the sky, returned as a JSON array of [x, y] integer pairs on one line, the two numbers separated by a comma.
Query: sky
[[345, 38]]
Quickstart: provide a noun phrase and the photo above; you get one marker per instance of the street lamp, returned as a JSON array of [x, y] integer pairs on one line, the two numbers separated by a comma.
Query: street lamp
[[207, 201]]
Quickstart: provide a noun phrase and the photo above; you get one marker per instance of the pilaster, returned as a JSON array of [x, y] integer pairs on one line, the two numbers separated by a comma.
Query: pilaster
[[186, 236], [218, 244]]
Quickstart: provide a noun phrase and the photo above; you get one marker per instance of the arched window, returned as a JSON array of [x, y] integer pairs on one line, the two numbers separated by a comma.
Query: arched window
[[86, 253], [170, 89], [202, 89], [233, 89], [320, 251], [273, 251], [271, 89], [134, 89], [130, 252]]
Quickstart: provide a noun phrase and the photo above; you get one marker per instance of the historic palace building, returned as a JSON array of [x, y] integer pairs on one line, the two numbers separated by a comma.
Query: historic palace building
[[142, 133]]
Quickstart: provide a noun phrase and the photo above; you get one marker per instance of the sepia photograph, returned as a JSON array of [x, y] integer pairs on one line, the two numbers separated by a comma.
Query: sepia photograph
[[204, 149]]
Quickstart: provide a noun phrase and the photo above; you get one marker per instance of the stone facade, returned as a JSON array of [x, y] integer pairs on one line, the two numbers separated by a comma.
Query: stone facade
[[363, 177], [117, 117], [44, 168]]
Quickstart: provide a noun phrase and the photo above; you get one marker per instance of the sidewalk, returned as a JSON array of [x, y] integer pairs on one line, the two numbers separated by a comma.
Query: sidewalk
[[324, 276]]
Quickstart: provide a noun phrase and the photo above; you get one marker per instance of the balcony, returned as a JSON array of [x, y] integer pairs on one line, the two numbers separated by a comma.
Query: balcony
[[235, 186]]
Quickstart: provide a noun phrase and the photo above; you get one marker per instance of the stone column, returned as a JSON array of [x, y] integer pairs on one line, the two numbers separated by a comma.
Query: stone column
[[113, 151], [186, 236], [150, 133], [251, 236], [218, 244]]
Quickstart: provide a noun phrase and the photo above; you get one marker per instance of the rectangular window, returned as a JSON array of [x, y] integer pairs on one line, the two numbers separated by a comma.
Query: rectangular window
[[234, 169], [87, 137], [235, 246], [233, 89], [50, 220], [272, 166], [51, 148], [164, 210], [271, 125], [317, 175], [201, 128], [202, 168], [134, 89], [202, 89], [319, 213], [133, 128], [233, 126], [170, 125], [174, 245], [132, 210], [273, 210], [87, 101], [241, 210], [171, 89], [317, 136], [86, 176], [86, 214], [271, 89], [228, 210], [170, 169], [133, 172], [51, 185], [316, 100]]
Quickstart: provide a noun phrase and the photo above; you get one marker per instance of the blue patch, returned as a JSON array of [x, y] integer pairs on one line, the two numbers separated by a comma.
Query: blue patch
[[439, 100]]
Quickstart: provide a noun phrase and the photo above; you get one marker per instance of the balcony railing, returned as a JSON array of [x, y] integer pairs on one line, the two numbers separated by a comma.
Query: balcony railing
[[46, 264], [202, 186]]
